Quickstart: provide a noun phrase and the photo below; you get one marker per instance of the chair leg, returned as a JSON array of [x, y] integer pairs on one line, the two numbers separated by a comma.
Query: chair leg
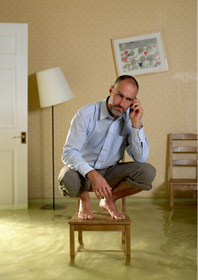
[[195, 193], [72, 244], [171, 189], [128, 245]]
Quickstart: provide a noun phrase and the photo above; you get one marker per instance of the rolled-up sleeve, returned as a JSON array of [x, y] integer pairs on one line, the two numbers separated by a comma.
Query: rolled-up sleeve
[[76, 138], [138, 147]]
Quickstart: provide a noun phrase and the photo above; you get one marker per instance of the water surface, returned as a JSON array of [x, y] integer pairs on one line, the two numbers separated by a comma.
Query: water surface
[[34, 244]]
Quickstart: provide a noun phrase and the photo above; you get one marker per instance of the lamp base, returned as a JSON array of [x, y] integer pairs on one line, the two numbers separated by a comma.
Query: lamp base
[[52, 207]]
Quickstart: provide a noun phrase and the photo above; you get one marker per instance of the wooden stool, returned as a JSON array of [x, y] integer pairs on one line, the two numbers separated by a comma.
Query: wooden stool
[[100, 222]]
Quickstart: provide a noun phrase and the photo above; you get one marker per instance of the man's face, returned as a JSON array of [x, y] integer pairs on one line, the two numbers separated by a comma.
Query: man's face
[[121, 98]]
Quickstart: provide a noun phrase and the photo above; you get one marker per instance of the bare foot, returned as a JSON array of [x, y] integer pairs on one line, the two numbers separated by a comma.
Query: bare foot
[[109, 205], [85, 212]]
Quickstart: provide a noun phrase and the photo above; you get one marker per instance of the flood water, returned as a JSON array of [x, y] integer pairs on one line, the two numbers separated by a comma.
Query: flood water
[[34, 244]]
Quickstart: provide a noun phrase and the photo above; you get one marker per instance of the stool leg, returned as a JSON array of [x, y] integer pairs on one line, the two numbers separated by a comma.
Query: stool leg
[[123, 237], [80, 239], [72, 244], [128, 245]]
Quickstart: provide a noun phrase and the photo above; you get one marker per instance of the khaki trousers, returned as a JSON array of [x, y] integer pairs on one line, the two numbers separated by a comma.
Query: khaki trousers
[[141, 175]]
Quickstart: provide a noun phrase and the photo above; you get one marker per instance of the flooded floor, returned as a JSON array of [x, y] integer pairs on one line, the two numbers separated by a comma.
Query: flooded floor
[[34, 244]]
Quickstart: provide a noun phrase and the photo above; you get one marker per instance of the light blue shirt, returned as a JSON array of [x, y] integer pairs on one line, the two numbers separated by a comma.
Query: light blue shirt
[[96, 141]]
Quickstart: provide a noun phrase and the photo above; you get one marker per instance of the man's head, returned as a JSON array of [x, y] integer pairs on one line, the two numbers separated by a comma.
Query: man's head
[[122, 94]]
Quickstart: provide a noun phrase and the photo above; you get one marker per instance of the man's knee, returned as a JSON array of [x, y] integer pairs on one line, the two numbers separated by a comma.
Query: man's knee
[[142, 176], [69, 182], [149, 172]]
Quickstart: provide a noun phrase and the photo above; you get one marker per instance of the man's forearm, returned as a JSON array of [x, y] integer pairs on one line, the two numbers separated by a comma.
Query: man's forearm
[[138, 147], [73, 159]]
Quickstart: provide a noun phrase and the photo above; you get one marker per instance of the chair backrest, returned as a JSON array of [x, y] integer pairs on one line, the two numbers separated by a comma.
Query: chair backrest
[[177, 146]]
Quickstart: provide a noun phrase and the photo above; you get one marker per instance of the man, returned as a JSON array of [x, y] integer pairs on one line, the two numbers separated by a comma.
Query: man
[[98, 136]]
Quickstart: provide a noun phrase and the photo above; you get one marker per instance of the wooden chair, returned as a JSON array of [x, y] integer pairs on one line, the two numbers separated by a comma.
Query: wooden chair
[[101, 222], [175, 160]]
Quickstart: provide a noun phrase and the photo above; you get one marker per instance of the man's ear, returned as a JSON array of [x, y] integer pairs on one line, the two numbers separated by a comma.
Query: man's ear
[[111, 89]]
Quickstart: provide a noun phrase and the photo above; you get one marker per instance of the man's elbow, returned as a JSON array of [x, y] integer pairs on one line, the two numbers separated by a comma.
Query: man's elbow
[[141, 159]]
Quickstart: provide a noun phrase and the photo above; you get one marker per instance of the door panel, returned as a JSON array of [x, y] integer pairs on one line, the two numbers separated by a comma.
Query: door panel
[[8, 95], [13, 114]]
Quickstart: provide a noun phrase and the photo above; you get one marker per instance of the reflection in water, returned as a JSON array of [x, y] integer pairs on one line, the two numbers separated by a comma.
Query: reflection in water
[[180, 229], [34, 244]]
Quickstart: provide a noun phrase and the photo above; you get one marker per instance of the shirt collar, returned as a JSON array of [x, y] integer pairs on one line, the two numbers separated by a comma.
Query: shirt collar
[[104, 112]]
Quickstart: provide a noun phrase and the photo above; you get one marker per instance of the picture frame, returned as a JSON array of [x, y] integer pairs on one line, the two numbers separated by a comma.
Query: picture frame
[[140, 55]]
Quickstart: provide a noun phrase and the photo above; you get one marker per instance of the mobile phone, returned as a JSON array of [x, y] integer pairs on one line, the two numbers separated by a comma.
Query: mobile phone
[[131, 109]]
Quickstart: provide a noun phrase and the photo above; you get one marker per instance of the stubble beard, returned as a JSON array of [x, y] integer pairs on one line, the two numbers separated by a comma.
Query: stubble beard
[[116, 112]]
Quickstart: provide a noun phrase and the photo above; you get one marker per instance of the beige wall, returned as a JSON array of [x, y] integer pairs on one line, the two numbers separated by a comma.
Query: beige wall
[[75, 35]]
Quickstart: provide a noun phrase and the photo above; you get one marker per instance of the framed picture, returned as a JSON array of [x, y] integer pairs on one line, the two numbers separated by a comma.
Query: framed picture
[[140, 55]]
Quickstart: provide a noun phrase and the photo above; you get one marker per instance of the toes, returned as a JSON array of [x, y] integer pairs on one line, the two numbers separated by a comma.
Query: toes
[[119, 216], [123, 216], [85, 216], [82, 216]]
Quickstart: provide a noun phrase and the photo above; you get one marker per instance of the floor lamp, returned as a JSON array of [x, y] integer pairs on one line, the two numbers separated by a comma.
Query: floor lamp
[[53, 89]]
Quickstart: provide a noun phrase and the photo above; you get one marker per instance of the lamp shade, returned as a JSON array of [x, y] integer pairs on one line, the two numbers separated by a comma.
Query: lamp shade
[[53, 87]]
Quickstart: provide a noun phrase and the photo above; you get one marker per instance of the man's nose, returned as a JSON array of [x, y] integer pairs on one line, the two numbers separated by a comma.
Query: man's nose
[[122, 102]]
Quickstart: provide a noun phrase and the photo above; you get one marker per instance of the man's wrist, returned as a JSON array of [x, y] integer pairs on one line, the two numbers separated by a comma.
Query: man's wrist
[[90, 173], [137, 125]]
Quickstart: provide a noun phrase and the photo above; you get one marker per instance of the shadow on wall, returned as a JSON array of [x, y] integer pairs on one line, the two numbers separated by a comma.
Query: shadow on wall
[[35, 141], [162, 190], [33, 97]]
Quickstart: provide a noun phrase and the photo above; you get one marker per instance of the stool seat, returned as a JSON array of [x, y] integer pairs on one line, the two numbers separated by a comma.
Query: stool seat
[[99, 218], [100, 222]]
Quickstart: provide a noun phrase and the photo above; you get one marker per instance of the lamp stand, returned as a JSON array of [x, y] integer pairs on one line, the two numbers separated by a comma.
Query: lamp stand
[[53, 185], [53, 206]]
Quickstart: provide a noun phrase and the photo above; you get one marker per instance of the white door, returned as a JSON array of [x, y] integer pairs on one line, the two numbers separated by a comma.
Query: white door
[[13, 114]]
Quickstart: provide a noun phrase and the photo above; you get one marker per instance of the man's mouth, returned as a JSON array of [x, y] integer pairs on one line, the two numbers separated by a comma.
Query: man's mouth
[[119, 108]]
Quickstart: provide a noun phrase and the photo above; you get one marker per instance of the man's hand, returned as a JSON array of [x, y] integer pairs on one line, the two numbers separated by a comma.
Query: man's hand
[[136, 113], [99, 184]]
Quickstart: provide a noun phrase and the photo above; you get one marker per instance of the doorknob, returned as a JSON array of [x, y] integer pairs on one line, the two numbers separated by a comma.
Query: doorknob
[[23, 137]]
